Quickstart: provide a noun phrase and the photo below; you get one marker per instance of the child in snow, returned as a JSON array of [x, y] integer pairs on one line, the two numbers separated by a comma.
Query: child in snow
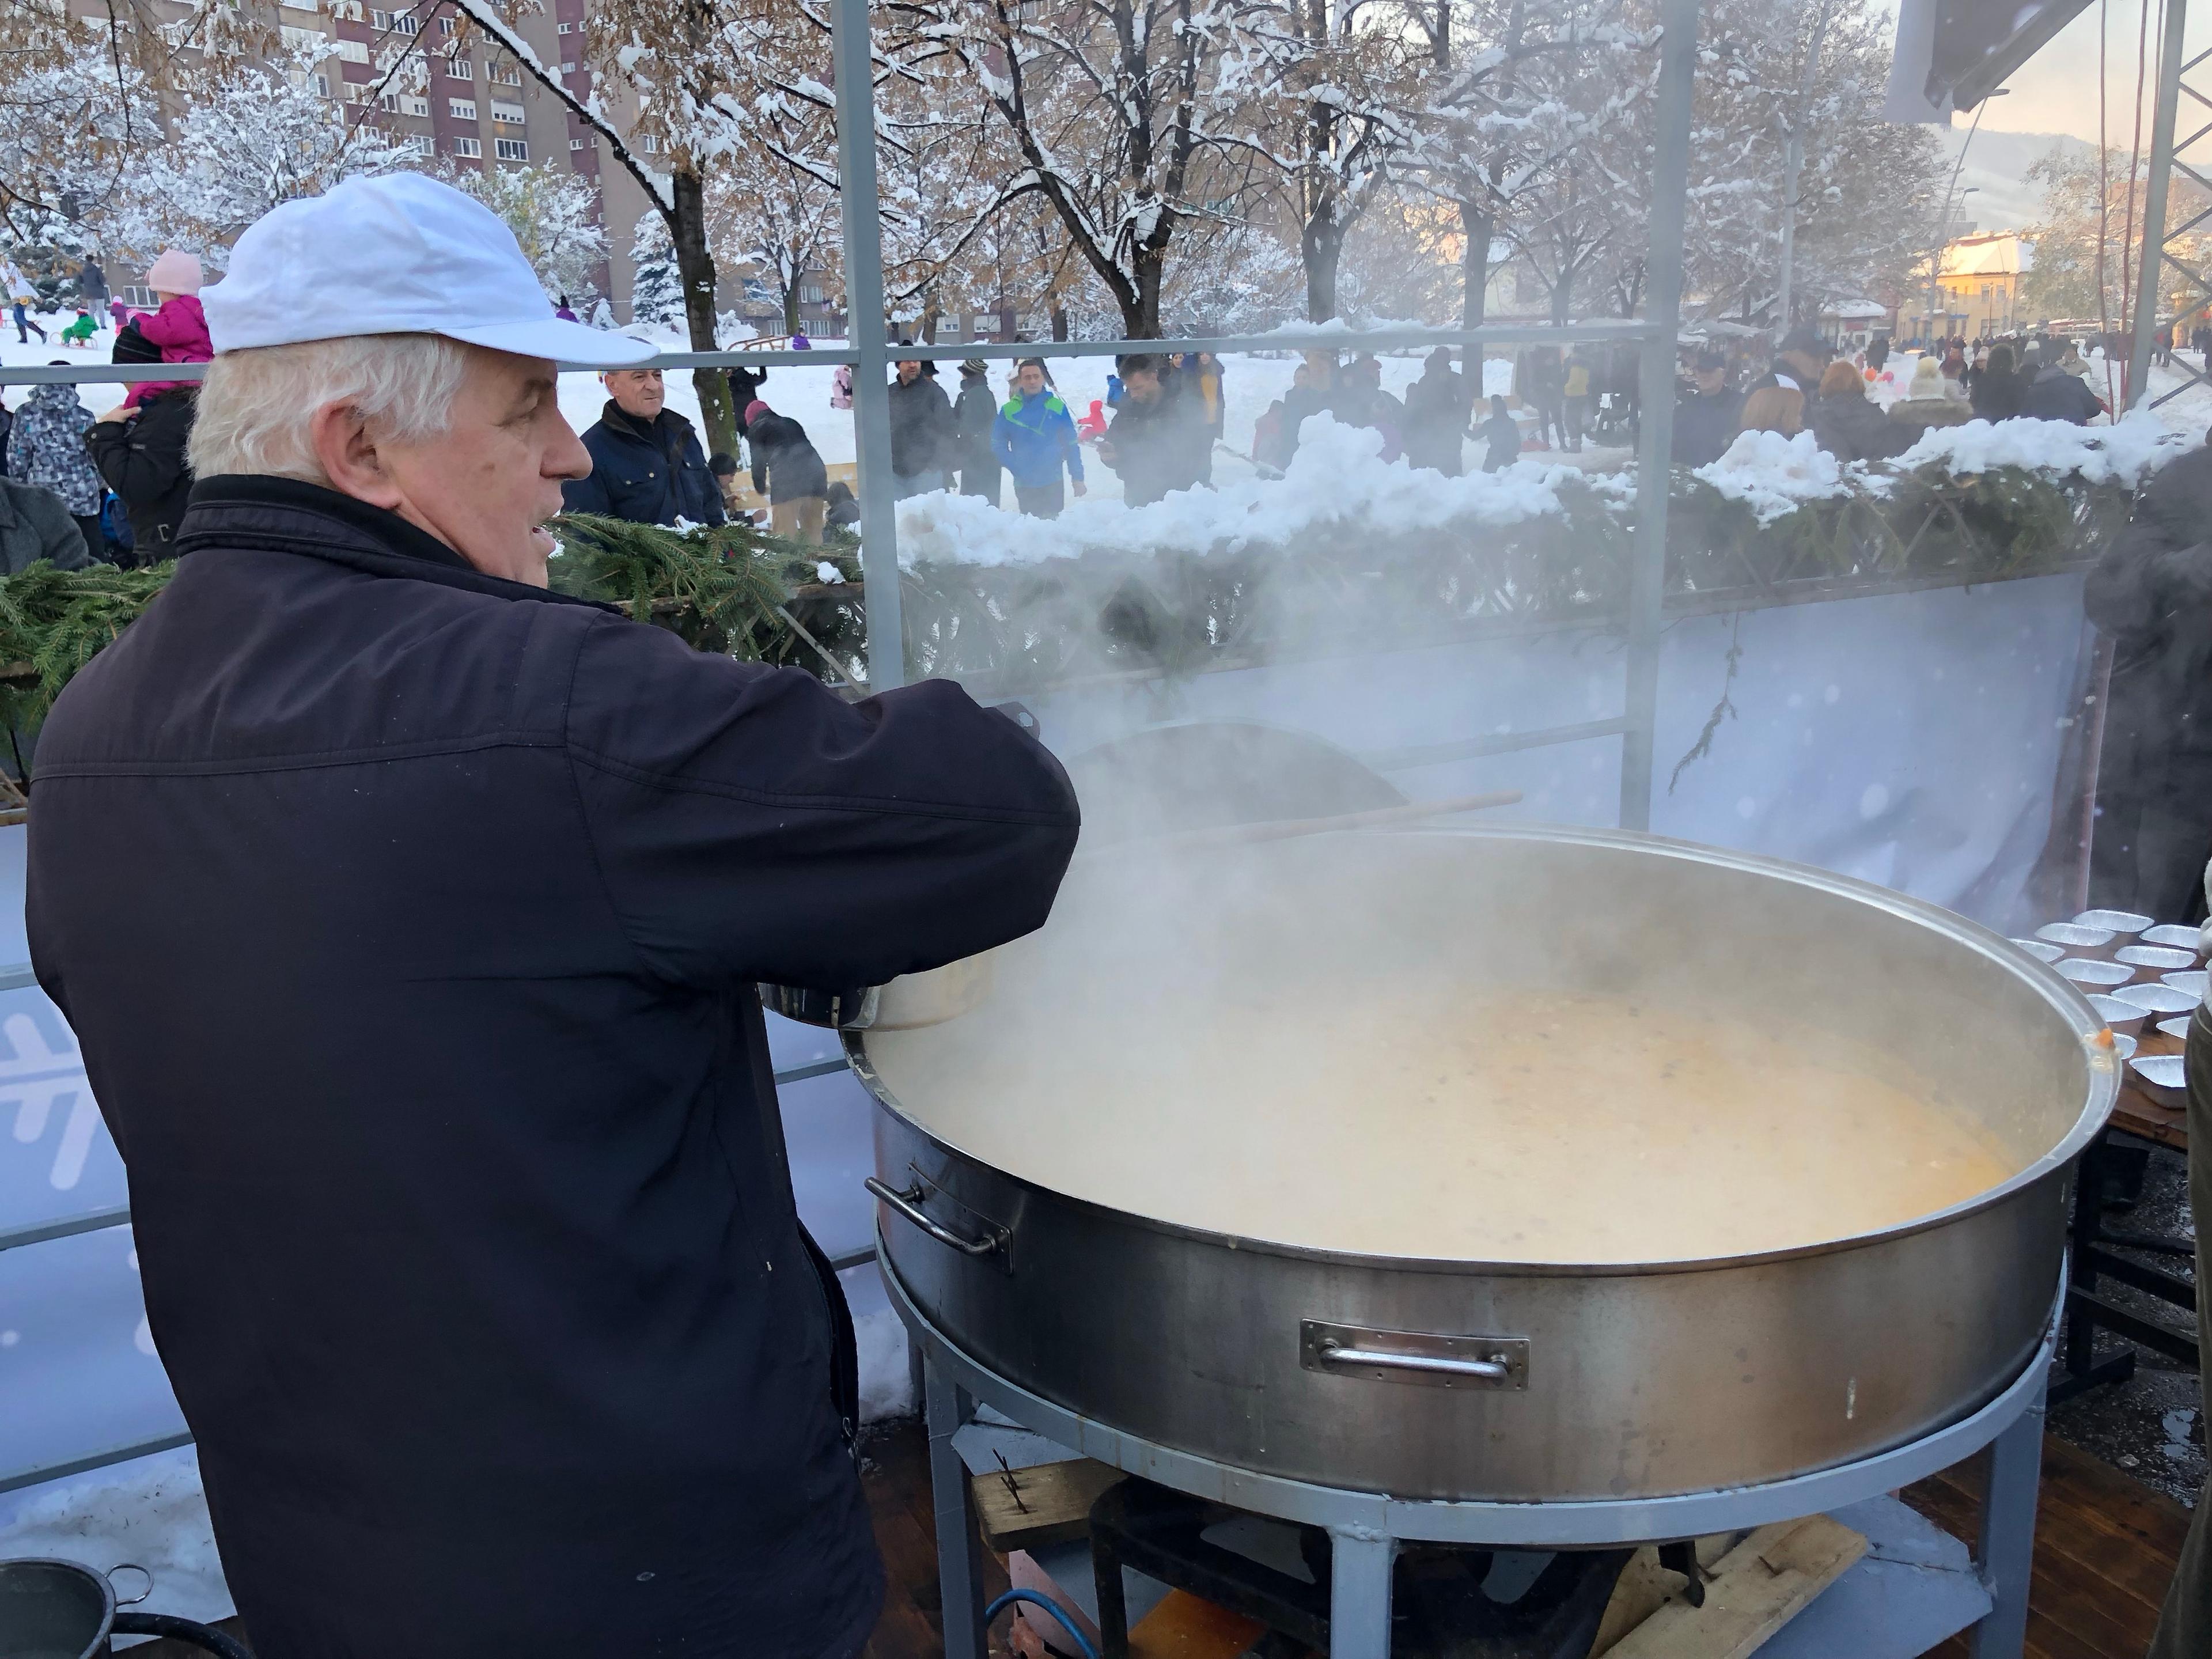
[[80, 332], [1092, 427], [179, 328]]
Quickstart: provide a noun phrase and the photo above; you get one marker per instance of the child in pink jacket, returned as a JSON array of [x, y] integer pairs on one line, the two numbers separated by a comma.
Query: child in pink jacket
[[179, 327]]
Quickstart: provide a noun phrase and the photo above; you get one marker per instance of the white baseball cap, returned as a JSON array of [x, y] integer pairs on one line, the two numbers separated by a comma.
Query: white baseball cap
[[398, 253]]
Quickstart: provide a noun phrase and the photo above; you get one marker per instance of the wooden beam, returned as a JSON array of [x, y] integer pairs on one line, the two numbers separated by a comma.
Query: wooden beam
[[1045, 1504], [1757, 1589]]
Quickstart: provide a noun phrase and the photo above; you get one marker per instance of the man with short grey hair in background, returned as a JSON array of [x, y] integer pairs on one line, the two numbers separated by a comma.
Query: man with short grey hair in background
[[411, 916]]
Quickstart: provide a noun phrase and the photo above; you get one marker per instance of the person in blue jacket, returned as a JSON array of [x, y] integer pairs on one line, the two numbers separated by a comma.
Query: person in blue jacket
[[647, 465], [1034, 437]]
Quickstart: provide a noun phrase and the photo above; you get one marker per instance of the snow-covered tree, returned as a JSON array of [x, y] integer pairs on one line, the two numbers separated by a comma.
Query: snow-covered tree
[[1114, 109], [555, 216], [244, 136], [656, 290], [775, 210]]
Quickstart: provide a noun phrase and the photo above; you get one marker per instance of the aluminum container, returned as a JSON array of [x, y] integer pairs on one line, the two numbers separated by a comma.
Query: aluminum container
[[2121, 1017], [2073, 936], [2157, 999], [2124, 924], [1521, 1380], [2190, 983], [2175, 938], [2089, 972], [2162, 1077], [2156, 957], [2177, 1028], [2041, 949]]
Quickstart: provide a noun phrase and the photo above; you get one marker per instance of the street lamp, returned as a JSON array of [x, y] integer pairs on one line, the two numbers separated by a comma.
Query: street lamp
[[1943, 218]]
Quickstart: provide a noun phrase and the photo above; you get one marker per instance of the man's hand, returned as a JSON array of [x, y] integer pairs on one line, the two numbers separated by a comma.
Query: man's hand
[[119, 413], [1080, 489]]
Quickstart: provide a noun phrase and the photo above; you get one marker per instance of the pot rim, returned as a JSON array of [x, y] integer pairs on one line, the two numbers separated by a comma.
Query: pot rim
[[106, 1632], [2065, 998]]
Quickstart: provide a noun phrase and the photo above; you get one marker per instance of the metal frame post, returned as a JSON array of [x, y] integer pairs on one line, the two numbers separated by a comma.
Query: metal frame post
[[854, 61], [1361, 1564], [1670, 177], [959, 1550], [2005, 1553], [2152, 259]]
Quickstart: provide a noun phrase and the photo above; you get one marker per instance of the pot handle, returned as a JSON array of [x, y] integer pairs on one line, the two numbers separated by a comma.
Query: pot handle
[[191, 1634], [1490, 1370], [908, 1203], [130, 1566]]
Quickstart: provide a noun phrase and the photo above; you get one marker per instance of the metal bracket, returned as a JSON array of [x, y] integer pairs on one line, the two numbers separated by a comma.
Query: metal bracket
[[1424, 1357]]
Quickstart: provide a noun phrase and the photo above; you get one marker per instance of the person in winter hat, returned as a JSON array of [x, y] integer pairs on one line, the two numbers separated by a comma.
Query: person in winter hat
[[179, 328], [409, 911], [1502, 432], [1160, 436], [47, 448], [1705, 417], [2057, 393], [922, 444], [974, 413], [141, 454], [1928, 402], [787, 469], [1436, 416], [1996, 390], [1034, 438]]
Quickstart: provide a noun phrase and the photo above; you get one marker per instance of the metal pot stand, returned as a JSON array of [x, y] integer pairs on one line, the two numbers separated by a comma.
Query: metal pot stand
[[1367, 1529]]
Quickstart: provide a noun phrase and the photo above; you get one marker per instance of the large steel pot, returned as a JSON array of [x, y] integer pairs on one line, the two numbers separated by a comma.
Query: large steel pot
[[1455, 1379]]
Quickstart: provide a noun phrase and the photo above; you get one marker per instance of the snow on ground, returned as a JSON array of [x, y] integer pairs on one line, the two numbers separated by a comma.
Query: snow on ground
[[1773, 475], [151, 1510]]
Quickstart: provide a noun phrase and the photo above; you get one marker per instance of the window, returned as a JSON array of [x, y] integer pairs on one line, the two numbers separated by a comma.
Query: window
[[580, 143], [506, 74], [140, 298], [461, 68], [349, 10], [468, 147], [564, 29], [445, 25], [506, 113], [809, 295], [322, 85], [463, 109], [379, 21], [650, 143], [511, 149], [568, 68], [404, 103], [352, 52], [406, 22], [301, 40]]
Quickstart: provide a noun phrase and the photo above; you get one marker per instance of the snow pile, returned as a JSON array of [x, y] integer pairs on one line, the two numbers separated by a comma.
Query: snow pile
[[151, 1510], [1774, 476], [1336, 478], [2138, 443]]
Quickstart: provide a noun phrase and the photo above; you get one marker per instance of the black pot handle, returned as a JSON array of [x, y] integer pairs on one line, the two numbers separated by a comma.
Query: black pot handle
[[181, 1629]]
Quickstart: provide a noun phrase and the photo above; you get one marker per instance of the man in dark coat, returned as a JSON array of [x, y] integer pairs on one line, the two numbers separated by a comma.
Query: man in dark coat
[[34, 525], [788, 469], [1157, 443], [2055, 395], [922, 431], [1705, 419], [974, 413], [1436, 416], [647, 465], [410, 916], [745, 384], [2152, 593]]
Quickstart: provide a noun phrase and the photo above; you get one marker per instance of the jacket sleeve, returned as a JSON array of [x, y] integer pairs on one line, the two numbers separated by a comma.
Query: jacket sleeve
[[760, 465], [2128, 591], [589, 494], [1072, 446], [59, 539], [750, 825], [131, 467]]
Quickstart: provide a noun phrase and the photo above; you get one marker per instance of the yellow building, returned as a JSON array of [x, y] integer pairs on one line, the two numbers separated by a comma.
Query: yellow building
[[1978, 287]]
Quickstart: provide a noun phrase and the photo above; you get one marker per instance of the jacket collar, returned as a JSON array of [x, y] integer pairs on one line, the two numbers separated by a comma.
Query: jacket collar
[[287, 515], [666, 424]]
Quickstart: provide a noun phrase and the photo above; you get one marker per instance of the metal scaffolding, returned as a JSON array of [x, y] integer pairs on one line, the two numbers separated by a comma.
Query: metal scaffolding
[[2158, 242]]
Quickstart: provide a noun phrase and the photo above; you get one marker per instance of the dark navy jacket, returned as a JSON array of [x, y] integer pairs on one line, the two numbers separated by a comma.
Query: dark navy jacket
[[410, 920], [652, 474]]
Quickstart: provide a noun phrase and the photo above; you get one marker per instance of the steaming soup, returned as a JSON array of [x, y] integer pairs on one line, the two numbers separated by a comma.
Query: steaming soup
[[1372, 1107]]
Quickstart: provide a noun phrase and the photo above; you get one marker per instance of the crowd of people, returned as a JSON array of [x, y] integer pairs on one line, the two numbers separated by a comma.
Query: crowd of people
[[1807, 387]]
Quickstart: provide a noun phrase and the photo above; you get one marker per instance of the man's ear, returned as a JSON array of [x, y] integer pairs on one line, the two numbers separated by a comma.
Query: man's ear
[[347, 456]]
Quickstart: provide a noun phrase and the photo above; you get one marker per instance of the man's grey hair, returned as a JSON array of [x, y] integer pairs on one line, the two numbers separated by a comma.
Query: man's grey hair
[[255, 407]]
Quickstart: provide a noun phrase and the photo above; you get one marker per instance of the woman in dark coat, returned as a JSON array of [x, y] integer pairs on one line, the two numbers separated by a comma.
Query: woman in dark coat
[[1998, 389], [1848, 426]]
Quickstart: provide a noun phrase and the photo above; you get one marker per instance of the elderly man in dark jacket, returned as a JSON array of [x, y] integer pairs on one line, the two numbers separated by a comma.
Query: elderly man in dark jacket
[[410, 917], [2152, 593], [1157, 443], [647, 465], [1706, 418]]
